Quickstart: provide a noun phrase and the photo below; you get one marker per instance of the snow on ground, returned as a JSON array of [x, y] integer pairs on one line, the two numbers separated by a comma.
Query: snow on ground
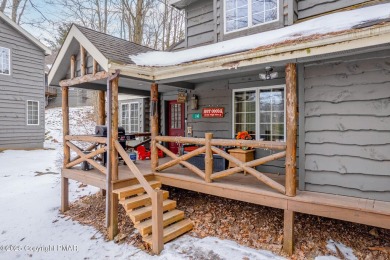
[[339, 249], [336, 22], [32, 227]]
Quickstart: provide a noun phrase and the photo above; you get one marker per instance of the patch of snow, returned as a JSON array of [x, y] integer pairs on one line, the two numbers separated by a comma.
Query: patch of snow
[[326, 24], [337, 247], [32, 227], [326, 257]]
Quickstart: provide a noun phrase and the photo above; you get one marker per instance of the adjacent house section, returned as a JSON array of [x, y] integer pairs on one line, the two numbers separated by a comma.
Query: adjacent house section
[[22, 87]]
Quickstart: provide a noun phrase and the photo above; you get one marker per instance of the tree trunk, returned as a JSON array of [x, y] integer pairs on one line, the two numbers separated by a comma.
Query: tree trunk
[[138, 30], [3, 5]]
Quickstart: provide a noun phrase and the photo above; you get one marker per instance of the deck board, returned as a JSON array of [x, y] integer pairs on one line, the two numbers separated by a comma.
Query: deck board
[[247, 188]]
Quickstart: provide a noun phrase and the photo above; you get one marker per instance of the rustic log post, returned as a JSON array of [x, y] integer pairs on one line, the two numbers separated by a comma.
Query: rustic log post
[[291, 153], [114, 129], [288, 236], [101, 108], [101, 119], [83, 65], [291, 121], [73, 66], [113, 227], [65, 127], [208, 158], [157, 222], [154, 125], [95, 67]]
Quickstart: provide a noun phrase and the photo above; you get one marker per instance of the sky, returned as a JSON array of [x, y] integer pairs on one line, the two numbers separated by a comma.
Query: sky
[[42, 19]]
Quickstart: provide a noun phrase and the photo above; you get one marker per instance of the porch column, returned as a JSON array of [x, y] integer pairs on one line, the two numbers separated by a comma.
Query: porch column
[[101, 116], [291, 125], [291, 154], [113, 220], [65, 130], [154, 125], [101, 108]]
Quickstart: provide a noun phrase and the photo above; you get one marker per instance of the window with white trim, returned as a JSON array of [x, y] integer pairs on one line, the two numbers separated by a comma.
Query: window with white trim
[[261, 112], [5, 61], [130, 117], [241, 14], [32, 112]]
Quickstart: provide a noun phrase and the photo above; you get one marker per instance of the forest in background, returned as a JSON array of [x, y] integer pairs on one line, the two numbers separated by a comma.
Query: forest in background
[[153, 23]]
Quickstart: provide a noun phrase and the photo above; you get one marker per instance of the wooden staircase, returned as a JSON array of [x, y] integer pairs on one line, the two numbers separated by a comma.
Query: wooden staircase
[[138, 206]]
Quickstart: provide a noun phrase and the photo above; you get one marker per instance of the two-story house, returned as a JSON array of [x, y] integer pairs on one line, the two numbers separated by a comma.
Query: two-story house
[[310, 78], [22, 87]]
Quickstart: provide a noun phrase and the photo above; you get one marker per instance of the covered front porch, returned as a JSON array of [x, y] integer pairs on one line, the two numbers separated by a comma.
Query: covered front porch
[[249, 181]]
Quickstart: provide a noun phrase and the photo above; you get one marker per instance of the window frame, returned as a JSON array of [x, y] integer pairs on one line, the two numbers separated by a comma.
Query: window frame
[[27, 114], [257, 108], [9, 62], [129, 110], [250, 16]]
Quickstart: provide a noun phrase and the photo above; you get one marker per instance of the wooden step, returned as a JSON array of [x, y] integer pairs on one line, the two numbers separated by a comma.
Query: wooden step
[[146, 212], [140, 200], [135, 189], [173, 231], [169, 217]]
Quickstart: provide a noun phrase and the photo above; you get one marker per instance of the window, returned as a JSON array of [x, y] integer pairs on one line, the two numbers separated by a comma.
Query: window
[[241, 14], [176, 116], [5, 61], [261, 112], [130, 117], [32, 112]]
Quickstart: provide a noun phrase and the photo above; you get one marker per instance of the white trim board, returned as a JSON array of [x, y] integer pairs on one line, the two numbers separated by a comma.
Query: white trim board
[[257, 109]]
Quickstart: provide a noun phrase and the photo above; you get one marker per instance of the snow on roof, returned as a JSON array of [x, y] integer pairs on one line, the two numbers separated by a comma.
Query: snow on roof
[[331, 23]]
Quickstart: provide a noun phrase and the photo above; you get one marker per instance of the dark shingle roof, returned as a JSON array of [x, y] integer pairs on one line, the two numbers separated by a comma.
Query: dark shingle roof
[[113, 48]]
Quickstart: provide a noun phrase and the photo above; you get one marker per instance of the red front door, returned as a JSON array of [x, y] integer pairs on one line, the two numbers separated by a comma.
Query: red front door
[[175, 123]]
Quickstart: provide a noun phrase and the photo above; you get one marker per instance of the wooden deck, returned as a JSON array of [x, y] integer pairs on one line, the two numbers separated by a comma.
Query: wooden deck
[[247, 188]]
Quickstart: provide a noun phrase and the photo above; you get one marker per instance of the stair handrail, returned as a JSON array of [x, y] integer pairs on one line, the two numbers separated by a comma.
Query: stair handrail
[[134, 169], [157, 201]]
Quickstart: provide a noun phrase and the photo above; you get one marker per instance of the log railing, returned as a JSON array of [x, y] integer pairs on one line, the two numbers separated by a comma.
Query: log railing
[[155, 195], [209, 146], [96, 148]]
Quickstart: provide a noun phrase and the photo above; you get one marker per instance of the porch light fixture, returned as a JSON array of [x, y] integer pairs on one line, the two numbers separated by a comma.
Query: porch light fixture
[[269, 74], [194, 102]]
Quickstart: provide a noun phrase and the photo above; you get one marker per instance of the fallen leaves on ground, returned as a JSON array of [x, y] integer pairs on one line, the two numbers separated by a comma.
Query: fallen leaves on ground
[[248, 224]]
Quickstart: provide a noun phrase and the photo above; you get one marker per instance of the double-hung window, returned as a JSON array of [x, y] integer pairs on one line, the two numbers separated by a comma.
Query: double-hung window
[[5, 61], [32, 112], [241, 14], [130, 117], [261, 112]]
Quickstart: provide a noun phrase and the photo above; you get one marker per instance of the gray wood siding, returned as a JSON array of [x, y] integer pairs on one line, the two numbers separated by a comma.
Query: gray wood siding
[[200, 23], [77, 98], [26, 82], [219, 93], [347, 126], [307, 8]]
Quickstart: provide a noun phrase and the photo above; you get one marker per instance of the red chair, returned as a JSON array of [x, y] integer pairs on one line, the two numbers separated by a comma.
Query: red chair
[[144, 154]]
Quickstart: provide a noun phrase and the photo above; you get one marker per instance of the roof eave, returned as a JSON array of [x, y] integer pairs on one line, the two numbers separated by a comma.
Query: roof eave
[[75, 33], [351, 40], [181, 4], [17, 27]]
